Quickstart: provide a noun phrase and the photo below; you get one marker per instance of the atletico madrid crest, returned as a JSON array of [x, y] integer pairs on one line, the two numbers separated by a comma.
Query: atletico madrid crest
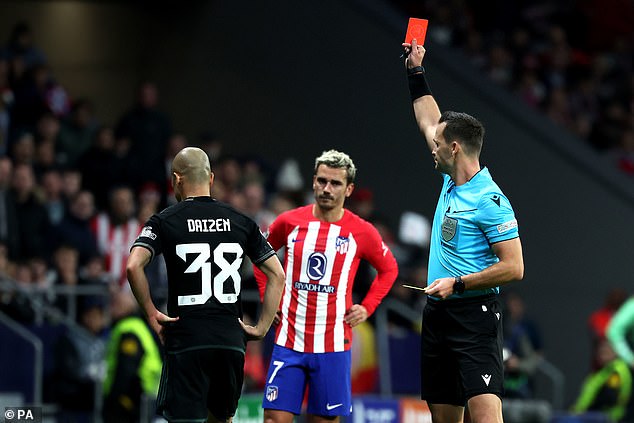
[[271, 393], [342, 243]]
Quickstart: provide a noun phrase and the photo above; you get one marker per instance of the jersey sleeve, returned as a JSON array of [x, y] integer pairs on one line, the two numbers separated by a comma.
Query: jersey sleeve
[[381, 258], [258, 249], [149, 237], [496, 218], [274, 237]]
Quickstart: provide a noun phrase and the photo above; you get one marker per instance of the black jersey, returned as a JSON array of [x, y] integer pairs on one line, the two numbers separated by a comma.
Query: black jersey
[[204, 242]]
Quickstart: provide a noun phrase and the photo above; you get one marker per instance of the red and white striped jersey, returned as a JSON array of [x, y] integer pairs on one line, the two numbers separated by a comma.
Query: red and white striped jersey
[[321, 261], [113, 243]]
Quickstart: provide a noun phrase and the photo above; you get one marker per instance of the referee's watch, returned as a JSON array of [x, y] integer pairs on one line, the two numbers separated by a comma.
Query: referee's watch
[[458, 285]]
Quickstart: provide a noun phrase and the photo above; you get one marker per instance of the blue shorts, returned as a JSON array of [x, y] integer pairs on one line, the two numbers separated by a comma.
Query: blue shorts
[[327, 376]]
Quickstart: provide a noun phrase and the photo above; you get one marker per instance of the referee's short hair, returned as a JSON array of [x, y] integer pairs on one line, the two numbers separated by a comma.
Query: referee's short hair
[[464, 128], [338, 160]]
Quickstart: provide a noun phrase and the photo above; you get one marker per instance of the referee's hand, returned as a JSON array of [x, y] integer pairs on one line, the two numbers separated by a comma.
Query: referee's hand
[[440, 288]]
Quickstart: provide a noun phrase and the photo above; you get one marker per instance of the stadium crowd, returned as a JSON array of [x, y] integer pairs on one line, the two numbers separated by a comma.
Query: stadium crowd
[[570, 61]]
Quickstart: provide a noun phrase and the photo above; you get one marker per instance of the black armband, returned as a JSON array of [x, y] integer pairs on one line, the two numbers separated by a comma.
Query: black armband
[[418, 86]]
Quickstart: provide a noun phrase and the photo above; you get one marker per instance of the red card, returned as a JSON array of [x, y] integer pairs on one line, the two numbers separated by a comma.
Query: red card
[[416, 28]]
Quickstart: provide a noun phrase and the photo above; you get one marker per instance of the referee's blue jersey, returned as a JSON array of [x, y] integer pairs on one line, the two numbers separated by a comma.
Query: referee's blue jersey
[[469, 218]]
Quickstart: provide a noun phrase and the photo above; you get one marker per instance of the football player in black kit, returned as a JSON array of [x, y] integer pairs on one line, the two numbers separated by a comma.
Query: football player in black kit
[[203, 242]]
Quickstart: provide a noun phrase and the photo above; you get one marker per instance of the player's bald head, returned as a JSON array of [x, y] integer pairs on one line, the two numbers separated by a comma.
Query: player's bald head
[[192, 163]]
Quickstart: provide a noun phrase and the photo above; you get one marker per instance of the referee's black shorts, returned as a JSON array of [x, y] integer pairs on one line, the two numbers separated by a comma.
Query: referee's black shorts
[[461, 350], [200, 381]]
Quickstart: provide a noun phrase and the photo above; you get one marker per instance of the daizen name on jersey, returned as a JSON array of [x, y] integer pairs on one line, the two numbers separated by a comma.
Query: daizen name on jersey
[[208, 225]]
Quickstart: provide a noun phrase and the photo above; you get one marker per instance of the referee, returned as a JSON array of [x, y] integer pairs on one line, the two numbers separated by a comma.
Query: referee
[[475, 248], [204, 242]]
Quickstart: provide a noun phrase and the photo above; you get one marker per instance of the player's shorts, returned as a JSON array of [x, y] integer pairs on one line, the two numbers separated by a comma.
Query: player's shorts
[[199, 381], [461, 350], [327, 376]]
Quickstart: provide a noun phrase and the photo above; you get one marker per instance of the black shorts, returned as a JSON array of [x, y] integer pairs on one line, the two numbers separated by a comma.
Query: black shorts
[[461, 350], [199, 381]]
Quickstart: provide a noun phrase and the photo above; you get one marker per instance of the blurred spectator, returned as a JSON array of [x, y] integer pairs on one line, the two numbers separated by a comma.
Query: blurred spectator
[[102, 166], [79, 354], [44, 158], [255, 204], [66, 274], [14, 302], [41, 277], [156, 271], [624, 153], [9, 233], [229, 171], [47, 129], [148, 131], [33, 224], [609, 388], [5, 264], [116, 230], [281, 202], [523, 348], [94, 272], [175, 144], [21, 44], [23, 149], [211, 144], [6, 101], [620, 332], [236, 199], [37, 93], [53, 200], [75, 230], [133, 362], [599, 320], [362, 203], [77, 132], [149, 201], [71, 182]]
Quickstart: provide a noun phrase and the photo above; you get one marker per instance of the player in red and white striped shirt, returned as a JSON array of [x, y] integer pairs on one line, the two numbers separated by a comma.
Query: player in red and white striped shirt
[[324, 244], [115, 231]]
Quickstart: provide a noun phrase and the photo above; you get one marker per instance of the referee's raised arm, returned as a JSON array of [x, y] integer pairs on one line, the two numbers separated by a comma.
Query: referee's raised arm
[[425, 107]]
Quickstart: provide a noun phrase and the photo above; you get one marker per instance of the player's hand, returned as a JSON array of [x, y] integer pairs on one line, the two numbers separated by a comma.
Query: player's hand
[[414, 54], [278, 317], [158, 322], [355, 315], [441, 288], [254, 333]]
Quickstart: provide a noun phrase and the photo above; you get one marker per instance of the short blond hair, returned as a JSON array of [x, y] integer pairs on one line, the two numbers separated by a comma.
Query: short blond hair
[[337, 160]]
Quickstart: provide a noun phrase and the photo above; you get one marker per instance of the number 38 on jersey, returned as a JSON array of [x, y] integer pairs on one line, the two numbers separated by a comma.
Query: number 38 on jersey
[[198, 255]]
